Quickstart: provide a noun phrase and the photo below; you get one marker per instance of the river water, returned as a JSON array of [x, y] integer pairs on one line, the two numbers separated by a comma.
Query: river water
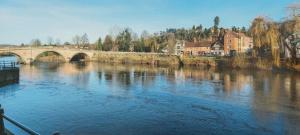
[[103, 99]]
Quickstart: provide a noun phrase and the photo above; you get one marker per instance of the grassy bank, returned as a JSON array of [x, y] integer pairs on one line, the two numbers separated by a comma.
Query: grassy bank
[[245, 63], [137, 58], [238, 62], [199, 61], [50, 57]]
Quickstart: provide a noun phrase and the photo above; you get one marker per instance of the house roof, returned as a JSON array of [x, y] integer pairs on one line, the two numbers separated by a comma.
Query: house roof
[[217, 45], [236, 34], [198, 44]]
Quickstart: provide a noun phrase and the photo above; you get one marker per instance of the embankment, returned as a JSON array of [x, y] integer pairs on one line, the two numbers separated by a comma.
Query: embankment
[[137, 58], [9, 76], [238, 62], [199, 61]]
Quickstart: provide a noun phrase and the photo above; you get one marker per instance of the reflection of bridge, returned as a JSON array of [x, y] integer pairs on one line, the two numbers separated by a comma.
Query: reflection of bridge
[[28, 55]]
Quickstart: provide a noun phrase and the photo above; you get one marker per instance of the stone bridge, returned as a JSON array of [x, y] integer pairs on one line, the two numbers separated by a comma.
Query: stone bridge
[[27, 55]]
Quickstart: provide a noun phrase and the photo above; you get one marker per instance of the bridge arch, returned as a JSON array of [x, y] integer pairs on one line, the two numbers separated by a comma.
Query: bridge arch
[[60, 57], [20, 59], [80, 56]]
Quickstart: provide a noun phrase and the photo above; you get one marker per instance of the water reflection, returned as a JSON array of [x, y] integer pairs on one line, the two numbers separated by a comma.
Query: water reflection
[[278, 88], [121, 99]]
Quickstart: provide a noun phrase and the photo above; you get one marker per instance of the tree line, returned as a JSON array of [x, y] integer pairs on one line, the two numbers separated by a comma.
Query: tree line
[[126, 40]]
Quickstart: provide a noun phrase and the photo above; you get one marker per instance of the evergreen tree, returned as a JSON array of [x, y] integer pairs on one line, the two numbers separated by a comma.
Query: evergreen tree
[[108, 43], [99, 44]]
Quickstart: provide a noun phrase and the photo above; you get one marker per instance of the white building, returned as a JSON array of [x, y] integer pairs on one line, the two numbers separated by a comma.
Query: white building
[[179, 47], [217, 49]]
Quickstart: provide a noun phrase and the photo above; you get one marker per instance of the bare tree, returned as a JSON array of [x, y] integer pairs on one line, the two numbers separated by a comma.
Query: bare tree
[[84, 40], [145, 34], [171, 43], [36, 42], [294, 9], [76, 40], [57, 41], [50, 41], [115, 31]]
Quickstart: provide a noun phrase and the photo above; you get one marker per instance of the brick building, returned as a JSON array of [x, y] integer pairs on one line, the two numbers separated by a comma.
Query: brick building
[[237, 42]]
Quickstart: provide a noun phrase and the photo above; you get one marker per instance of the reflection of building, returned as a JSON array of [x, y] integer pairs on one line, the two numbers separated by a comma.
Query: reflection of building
[[237, 42], [197, 48]]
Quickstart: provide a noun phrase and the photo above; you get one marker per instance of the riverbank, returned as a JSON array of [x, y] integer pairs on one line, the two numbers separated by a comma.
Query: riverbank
[[137, 58], [238, 62], [155, 59]]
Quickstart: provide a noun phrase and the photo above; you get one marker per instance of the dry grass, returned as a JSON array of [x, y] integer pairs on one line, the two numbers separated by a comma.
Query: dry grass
[[199, 61], [137, 58]]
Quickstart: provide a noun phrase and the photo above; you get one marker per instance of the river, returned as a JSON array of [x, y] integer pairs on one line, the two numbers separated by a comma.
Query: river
[[104, 99]]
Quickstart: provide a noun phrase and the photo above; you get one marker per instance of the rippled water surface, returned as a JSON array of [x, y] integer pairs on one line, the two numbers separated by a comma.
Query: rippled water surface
[[92, 99]]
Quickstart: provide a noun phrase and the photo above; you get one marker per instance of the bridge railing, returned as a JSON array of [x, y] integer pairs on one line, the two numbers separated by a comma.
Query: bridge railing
[[3, 131], [6, 65]]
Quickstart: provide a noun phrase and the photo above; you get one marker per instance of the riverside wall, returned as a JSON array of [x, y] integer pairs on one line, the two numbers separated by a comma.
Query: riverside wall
[[8, 76]]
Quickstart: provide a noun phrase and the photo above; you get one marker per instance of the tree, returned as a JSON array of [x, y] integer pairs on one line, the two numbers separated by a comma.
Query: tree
[[138, 46], [244, 30], [50, 41], [145, 34], [217, 21], [36, 42], [145, 38], [108, 43], [273, 39], [216, 26], [84, 40], [67, 43], [207, 33], [258, 30], [123, 40], [99, 44], [235, 29], [57, 41], [171, 43], [76, 40]]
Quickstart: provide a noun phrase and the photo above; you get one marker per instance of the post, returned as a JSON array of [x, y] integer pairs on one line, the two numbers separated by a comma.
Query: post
[[2, 128]]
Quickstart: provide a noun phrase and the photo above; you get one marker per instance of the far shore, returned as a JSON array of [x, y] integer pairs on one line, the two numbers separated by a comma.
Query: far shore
[[186, 61]]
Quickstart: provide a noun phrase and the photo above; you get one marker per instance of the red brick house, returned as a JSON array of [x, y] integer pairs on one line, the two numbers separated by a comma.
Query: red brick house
[[237, 42]]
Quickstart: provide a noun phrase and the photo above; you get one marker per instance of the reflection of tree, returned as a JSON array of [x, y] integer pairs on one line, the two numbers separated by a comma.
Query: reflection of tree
[[108, 76], [100, 75], [123, 77], [46, 67]]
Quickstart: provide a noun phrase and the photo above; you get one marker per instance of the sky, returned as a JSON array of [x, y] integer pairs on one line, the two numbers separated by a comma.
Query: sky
[[24, 20]]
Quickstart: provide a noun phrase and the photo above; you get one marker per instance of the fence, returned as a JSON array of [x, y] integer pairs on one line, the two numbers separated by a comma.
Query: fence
[[3, 131], [5, 65]]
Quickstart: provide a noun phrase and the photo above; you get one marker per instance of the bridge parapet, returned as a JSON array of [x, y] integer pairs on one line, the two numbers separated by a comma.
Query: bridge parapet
[[30, 54]]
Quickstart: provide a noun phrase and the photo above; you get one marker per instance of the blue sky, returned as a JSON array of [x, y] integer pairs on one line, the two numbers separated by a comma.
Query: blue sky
[[23, 20]]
